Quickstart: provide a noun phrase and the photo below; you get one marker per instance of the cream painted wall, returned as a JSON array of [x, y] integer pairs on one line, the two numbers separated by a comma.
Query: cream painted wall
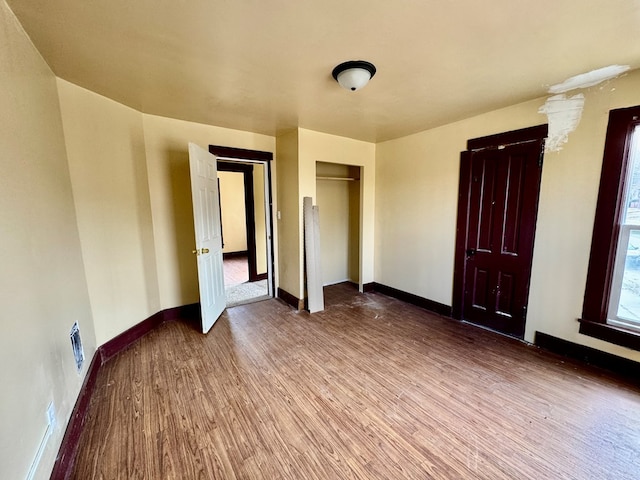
[[105, 148], [166, 142], [417, 185], [42, 281], [289, 224], [260, 218], [234, 223], [322, 147]]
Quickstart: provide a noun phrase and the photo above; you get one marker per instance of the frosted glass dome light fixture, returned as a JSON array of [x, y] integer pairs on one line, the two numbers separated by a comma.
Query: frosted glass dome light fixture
[[354, 74]]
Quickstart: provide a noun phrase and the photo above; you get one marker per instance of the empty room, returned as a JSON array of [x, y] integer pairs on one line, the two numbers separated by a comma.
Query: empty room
[[320, 240]]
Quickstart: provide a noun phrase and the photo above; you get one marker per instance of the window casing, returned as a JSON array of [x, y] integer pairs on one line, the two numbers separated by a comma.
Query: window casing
[[624, 298], [611, 309]]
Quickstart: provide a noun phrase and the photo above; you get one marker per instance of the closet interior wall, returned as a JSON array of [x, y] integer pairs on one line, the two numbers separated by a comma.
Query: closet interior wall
[[338, 198]]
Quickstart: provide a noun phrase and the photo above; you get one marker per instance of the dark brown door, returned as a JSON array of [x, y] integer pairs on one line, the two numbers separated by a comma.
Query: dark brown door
[[499, 192]]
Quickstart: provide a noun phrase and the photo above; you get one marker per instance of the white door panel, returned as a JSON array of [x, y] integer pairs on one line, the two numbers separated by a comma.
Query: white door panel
[[206, 217]]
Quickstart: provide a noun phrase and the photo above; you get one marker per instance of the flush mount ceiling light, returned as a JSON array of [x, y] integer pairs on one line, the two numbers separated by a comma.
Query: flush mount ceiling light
[[354, 75]]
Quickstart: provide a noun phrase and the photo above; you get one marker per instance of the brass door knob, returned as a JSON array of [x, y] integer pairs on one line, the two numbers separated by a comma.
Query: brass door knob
[[204, 250]]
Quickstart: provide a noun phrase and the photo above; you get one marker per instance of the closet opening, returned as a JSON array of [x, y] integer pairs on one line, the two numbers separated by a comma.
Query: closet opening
[[338, 196]]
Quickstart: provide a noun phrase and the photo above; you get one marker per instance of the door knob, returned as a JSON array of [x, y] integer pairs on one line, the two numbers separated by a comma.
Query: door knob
[[195, 252], [471, 252], [204, 250]]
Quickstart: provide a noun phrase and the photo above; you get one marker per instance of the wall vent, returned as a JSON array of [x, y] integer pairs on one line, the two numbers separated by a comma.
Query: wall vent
[[76, 344]]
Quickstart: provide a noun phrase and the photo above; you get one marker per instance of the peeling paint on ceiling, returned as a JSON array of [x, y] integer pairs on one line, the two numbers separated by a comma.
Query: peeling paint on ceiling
[[564, 113], [589, 79]]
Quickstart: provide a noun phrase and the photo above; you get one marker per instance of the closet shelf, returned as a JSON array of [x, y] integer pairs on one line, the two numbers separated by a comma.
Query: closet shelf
[[346, 179]]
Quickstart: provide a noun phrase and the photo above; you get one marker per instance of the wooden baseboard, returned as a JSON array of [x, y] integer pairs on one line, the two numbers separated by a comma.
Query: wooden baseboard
[[133, 334], [70, 441], [611, 334], [190, 312], [130, 336], [243, 253], [607, 361], [436, 307], [65, 460], [292, 300], [368, 287], [260, 276]]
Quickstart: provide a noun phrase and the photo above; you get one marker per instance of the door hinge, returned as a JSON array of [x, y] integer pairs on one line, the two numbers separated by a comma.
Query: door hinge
[[524, 312]]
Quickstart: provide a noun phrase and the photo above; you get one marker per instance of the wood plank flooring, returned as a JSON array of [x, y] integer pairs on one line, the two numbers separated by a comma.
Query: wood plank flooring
[[371, 388]]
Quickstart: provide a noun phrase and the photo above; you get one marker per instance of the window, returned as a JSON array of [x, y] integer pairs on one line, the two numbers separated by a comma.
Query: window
[[624, 299], [611, 309]]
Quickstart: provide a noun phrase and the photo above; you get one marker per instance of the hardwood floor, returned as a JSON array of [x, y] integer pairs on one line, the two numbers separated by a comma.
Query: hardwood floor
[[371, 388]]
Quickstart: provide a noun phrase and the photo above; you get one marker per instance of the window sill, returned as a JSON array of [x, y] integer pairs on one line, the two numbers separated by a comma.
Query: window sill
[[609, 333]]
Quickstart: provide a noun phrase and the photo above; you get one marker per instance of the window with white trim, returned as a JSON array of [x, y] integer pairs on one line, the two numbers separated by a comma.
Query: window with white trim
[[611, 307], [624, 300]]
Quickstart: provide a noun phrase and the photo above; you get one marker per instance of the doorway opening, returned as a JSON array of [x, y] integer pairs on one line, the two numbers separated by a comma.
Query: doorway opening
[[497, 209], [245, 208]]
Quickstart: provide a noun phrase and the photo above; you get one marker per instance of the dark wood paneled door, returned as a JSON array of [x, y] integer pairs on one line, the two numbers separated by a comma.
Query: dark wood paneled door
[[499, 193]]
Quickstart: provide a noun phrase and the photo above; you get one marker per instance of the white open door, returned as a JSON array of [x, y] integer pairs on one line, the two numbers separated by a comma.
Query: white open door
[[206, 217]]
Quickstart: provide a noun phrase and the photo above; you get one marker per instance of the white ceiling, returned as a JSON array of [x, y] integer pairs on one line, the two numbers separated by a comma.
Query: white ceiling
[[265, 65]]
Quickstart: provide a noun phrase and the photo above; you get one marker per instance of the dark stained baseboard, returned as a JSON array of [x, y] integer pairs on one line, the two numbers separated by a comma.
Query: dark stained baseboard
[[368, 287], [64, 463], [289, 299], [111, 348], [190, 311], [243, 253], [611, 334], [261, 276], [436, 307], [71, 439], [130, 336], [607, 361]]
